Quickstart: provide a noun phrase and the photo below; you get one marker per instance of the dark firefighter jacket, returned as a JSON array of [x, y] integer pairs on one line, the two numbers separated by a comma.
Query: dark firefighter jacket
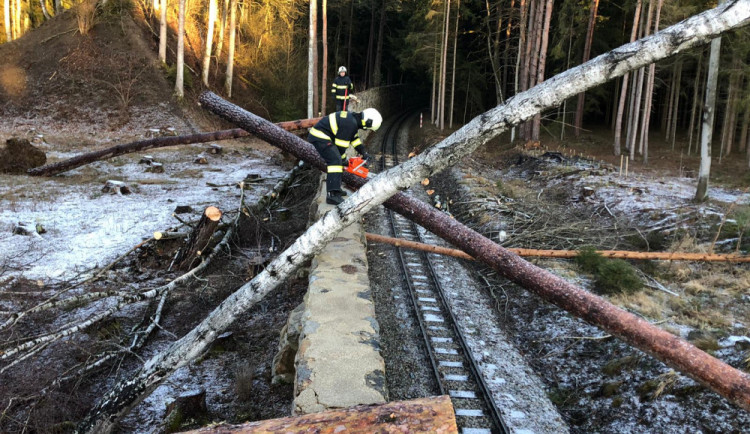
[[341, 85], [340, 128]]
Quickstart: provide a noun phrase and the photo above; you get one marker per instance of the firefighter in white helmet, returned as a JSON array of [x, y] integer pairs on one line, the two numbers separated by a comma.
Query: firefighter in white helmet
[[342, 88], [331, 137]]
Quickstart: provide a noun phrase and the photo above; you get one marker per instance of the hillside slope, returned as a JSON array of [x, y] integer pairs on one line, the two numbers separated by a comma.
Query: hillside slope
[[57, 81]]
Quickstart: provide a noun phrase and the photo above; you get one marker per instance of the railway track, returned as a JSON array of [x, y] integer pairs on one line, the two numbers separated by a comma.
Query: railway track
[[454, 368]]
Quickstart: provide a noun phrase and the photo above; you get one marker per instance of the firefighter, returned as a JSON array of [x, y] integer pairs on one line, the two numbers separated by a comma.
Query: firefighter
[[331, 137], [342, 87]]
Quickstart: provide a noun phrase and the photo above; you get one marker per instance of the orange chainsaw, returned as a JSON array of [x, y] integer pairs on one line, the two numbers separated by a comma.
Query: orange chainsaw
[[357, 167]]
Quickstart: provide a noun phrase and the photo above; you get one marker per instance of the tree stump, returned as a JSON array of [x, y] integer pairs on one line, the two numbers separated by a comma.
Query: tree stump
[[147, 160], [199, 239], [200, 159], [116, 187], [28, 229], [190, 405], [155, 168], [215, 149]]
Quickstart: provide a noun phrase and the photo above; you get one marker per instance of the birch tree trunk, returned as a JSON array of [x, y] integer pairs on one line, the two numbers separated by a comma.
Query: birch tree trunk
[[43, 4], [586, 54], [324, 37], [222, 28], [624, 91], [178, 87], [712, 79], [212, 10], [544, 36], [730, 382], [312, 44], [6, 15], [230, 48], [649, 93], [163, 32]]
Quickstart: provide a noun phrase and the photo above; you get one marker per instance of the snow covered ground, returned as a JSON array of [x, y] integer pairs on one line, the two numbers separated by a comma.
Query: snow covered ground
[[86, 228]]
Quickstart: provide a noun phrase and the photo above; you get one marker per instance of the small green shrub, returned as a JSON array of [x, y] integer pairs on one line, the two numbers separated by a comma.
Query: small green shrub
[[611, 276], [171, 72]]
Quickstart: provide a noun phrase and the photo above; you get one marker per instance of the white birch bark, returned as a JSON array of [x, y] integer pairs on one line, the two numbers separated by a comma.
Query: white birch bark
[[212, 8], [179, 86], [6, 14], [230, 48], [163, 32], [675, 39], [311, 47], [712, 79]]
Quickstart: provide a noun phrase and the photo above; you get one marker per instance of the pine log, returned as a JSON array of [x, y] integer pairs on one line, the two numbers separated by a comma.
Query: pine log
[[423, 415], [158, 142], [198, 238], [623, 254]]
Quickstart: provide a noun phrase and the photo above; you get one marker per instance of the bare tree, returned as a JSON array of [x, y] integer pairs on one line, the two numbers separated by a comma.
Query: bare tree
[[709, 106], [312, 57], [179, 84], [730, 382], [324, 38], [212, 9], [222, 28], [377, 74], [6, 14], [586, 54], [163, 32], [443, 66], [624, 90], [230, 49], [453, 76]]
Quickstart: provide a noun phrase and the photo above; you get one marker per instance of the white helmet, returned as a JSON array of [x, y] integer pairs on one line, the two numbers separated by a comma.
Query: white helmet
[[342, 69], [371, 118]]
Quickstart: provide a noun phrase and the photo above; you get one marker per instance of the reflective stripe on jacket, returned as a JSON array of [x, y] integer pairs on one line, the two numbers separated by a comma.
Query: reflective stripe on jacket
[[340, 128], [340, 86]]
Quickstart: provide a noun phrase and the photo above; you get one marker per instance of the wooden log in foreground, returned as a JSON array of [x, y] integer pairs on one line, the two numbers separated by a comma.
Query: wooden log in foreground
[[198, 239], [423, 415], [623, 254], [729, 382], [158, 142]]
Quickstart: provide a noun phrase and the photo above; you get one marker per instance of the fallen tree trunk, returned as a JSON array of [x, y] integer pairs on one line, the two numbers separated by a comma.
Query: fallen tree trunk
[[198, 238], [158, 142], [729, 382], [622, 254], [433, 414]]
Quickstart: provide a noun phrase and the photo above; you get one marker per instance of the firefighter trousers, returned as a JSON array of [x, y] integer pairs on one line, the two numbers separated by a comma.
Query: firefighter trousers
[[333, 156]]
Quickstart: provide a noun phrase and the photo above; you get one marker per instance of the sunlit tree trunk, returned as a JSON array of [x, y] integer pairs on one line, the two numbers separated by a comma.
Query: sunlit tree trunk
[[58, 6], [708, 120], [17, 21], [377, 73], [43, 4], [212, 10], [222, 28], [179, 87], [6, 14], [231, 47], [324, 79], [163, 32], [586, 54], [624, 90], [312, 60], [453, 76]]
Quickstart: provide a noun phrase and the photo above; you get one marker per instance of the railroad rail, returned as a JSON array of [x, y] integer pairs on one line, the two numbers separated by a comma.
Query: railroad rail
[[455, 369]]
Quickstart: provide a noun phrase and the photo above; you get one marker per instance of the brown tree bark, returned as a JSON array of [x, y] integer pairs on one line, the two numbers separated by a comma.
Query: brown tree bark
[[198, 239], [544, 40], [324, 79], [422, 415], [377, 75]]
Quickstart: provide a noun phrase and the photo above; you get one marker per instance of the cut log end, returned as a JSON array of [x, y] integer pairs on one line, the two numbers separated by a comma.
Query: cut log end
[[213, 213]]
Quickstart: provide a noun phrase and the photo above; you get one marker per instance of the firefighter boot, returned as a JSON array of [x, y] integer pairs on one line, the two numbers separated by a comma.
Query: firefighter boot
[[334, 198]]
